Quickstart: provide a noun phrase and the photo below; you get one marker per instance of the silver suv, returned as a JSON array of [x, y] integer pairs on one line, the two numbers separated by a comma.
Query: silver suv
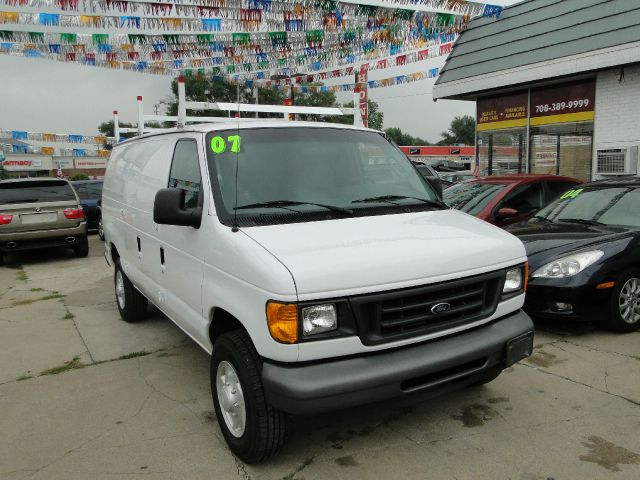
[[40, 213]]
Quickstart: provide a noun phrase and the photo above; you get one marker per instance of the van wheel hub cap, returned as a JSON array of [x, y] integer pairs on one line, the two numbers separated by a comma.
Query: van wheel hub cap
[[629, 301], [231, 398], [120, 289]]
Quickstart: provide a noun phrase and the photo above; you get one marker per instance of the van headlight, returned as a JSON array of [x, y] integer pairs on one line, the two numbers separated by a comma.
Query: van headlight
[[319, 319], [513, 281], [568, 266]]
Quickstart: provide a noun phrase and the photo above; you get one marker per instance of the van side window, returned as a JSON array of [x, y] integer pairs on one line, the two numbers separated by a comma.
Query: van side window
[[185, 171]]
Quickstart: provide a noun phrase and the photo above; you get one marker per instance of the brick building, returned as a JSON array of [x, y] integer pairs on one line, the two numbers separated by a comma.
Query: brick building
[[556, 86]]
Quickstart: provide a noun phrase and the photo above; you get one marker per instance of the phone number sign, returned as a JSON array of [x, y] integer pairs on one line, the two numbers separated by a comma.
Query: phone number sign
[[564, 99]]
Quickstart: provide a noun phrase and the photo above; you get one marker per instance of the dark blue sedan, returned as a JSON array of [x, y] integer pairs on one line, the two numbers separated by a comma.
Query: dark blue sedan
[[90, 193]]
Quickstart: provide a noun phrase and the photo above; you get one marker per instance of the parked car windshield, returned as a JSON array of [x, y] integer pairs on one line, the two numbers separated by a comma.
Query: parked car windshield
[[32, 192], [606, 205], [88, 191], [471, 197], [322, 170]]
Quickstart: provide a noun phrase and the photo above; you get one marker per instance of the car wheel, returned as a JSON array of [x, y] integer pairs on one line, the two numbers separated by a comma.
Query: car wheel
[[82, 249], [132, 304], [253, 429], [625, 303], [100, 229]]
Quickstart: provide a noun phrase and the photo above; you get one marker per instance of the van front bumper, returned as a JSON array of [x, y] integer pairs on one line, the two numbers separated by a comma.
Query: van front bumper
[[420, 371]]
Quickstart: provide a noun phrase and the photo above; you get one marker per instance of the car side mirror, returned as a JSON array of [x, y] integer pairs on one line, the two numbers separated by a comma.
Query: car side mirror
[[505, 213], [169, 209]]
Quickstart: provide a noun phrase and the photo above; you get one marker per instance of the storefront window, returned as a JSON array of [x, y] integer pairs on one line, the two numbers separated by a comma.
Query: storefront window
[[562, 149], [502, 152]]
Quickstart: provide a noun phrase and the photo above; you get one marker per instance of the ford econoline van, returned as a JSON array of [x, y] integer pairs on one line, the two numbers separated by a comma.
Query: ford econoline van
[[315, 264]]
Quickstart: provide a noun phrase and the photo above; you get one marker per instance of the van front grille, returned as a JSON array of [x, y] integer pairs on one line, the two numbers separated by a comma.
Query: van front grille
[[398, 314]]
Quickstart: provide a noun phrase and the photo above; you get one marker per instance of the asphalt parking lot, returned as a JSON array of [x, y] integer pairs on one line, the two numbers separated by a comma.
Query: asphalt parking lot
[[84, 395]]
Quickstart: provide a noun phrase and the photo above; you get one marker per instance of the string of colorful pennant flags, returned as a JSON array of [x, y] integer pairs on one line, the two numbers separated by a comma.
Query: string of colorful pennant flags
[[238, 39]]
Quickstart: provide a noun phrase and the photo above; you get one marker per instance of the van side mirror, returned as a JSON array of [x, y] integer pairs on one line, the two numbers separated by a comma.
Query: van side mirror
[[505, 213], [169, 209]]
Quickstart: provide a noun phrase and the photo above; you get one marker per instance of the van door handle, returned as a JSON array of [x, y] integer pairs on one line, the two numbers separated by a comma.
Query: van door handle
[[162, 256]]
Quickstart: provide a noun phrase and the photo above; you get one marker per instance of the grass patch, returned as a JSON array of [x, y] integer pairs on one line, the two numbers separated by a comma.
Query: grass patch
[[37, 290], [141, 353], [73, 364], [26, 376], [19, 303], [68, 316], [22, 275]]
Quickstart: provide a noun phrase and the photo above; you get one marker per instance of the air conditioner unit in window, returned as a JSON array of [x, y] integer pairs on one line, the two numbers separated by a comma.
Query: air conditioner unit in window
[[617, 161]]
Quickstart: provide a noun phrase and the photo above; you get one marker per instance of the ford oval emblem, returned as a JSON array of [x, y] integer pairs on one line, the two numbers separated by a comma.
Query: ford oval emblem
[[440, 308]]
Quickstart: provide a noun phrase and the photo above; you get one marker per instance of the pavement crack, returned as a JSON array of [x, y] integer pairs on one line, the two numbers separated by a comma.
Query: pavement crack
[[241, 469], [86, 347], [621, 397], [160, 392]]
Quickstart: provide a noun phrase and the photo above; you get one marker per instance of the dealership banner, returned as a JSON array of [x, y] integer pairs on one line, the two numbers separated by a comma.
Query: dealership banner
[[574, 102], [505, 111]]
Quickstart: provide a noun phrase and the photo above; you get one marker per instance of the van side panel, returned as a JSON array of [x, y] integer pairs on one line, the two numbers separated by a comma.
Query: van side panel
[[136, 172]]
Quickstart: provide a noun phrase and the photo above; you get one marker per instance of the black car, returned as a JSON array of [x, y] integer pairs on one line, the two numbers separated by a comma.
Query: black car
[[584, 255], [90, 193]]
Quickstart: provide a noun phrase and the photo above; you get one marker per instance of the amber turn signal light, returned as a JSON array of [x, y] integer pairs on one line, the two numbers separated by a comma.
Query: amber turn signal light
[[283, 321], [526, 275]]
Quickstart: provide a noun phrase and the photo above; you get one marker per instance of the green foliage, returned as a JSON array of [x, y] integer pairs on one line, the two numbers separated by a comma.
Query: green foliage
[[79, 176], [462, 131], [401, 138], [376, 117], [200, 89]]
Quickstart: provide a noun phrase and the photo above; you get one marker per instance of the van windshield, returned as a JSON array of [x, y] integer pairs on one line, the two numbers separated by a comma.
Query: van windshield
[[297, 174]]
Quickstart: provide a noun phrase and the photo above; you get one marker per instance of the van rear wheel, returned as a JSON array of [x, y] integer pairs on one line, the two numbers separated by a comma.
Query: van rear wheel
[[132, 304], [253, 429]]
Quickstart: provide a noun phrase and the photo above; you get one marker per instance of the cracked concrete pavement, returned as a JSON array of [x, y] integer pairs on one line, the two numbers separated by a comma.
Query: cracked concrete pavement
[[133, 401]]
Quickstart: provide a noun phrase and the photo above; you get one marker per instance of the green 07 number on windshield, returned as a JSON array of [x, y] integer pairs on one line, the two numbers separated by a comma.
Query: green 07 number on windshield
[[219, 144]]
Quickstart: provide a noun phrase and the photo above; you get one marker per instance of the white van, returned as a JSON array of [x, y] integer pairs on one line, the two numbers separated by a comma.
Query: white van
[[315, 264]]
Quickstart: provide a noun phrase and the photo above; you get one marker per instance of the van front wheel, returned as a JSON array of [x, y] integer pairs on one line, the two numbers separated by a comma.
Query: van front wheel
[[132, 304], [253, 429]]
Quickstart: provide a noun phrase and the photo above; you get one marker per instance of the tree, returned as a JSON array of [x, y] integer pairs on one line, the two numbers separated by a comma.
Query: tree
[[107, 129], [462, 131], [79, 176], [401, 138]]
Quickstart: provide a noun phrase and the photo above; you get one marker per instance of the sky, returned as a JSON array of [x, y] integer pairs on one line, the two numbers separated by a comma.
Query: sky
[[48, 96]]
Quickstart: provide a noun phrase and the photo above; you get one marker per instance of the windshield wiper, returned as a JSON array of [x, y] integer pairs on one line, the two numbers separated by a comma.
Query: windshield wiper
[[388, 198], [544, 219], [581, 221], [292, 203]]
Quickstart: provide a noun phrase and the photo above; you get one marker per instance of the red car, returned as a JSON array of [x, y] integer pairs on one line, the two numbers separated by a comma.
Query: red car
[[507, 199]]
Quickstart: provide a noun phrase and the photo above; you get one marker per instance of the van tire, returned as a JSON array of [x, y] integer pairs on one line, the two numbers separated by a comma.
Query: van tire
[[132, 304], [81, 250], [265, 426]]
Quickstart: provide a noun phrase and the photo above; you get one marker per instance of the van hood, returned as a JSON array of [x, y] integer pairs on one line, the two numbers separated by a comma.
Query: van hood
[[374, 253]]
